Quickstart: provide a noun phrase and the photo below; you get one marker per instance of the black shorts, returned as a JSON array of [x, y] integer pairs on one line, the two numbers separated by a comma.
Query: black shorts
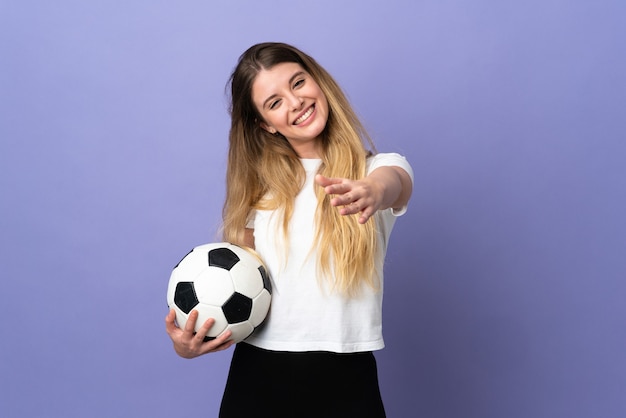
[[276, 384]]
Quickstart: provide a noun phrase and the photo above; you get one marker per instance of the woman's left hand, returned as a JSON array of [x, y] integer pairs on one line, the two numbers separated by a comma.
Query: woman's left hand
[[363, 196]]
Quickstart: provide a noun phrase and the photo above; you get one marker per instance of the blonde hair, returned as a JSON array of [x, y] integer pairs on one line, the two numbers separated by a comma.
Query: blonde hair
[[264, 172]]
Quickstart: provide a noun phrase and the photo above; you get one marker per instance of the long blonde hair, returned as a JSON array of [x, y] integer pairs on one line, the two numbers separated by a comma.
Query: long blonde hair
[[264, 171]]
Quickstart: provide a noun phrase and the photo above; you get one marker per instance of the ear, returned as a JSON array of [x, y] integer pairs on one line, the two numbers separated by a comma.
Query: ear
[[268, 128]]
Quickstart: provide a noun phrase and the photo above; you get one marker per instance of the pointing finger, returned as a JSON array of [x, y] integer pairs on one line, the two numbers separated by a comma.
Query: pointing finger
[[326, 181]]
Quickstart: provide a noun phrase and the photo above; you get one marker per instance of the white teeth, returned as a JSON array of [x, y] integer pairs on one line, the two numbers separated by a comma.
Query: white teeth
[[304, 117]]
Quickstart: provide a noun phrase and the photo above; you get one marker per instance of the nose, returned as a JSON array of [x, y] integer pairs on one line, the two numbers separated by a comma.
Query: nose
[[295, 102]]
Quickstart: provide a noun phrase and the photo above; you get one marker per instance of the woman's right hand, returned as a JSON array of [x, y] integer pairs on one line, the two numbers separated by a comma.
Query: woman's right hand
[[189, 344]]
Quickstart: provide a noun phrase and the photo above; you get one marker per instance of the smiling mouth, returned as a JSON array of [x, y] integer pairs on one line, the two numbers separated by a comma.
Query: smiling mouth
[[304, 116]]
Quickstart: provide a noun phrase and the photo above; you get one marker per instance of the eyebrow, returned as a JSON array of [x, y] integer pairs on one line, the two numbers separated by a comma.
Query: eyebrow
[[291, 79]]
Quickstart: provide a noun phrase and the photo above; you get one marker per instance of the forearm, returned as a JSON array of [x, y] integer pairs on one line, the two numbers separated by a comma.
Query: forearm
[[395, 185]]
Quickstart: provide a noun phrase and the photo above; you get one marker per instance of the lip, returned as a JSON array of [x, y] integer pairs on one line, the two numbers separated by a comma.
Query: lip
[[309, 119]]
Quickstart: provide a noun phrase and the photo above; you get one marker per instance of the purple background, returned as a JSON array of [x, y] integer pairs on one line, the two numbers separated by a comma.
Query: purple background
[[505, 280]]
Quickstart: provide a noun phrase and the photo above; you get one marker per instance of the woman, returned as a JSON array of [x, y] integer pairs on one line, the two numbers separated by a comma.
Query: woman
[[301, 189]]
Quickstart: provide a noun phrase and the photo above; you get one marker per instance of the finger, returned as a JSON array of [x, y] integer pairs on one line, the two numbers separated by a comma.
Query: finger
[[204, 329], [190, 325], [344, 189], [365, 215], [326, 181], [170, 322], [222, 338], [348, 208], [224, 346], [169, 318], [350, 200], [222, 342]]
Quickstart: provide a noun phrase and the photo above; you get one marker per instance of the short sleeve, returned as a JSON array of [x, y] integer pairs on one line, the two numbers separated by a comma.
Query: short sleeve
[[391, 160], [250, 219]]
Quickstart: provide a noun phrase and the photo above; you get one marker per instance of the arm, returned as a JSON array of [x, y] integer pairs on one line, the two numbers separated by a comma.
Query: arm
[[385, 187], [248, 237]]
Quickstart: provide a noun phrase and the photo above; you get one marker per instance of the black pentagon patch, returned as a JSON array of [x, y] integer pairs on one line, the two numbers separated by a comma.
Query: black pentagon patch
[[223, 258], [185, 296], [266, 279], [237, 308]]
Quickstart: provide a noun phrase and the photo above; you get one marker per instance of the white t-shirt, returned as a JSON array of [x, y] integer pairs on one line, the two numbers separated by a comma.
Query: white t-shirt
[[304, 316]]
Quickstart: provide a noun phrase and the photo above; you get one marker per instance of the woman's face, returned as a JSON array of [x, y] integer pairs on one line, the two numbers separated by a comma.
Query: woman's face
[[291, 103]]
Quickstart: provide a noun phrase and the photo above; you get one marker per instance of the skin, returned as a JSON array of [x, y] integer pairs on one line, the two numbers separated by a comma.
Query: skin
[[383, 188], [188, 345], [282, 95]]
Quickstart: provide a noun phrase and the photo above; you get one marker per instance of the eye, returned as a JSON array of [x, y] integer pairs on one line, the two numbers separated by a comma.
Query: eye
[[298, 83], [274, 104]]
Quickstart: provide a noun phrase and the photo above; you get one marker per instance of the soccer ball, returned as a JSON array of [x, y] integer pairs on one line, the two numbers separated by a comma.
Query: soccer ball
[[221, 281]]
